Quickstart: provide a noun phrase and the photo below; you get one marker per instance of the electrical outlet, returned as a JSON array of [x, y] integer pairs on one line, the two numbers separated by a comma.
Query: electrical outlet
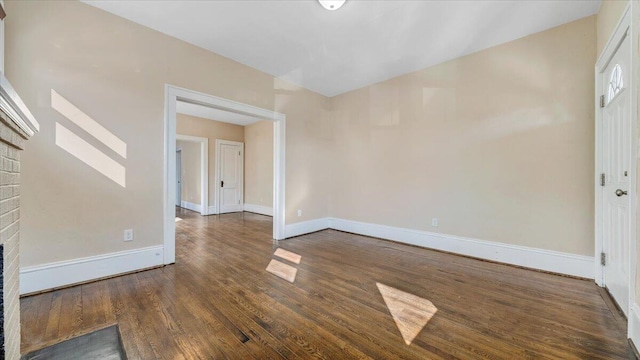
[[434, 222], [299, 212], [128, 235]]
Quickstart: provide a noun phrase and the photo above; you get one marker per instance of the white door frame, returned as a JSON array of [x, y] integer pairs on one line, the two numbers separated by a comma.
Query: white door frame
[[172, 95], [624, 28], [219, 143], [178, 174], [204, 169]]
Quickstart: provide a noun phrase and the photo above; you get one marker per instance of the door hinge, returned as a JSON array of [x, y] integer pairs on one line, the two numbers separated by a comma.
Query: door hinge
[[238, 202], [602, 179], [603, 259], [238, 153], [601, 101]]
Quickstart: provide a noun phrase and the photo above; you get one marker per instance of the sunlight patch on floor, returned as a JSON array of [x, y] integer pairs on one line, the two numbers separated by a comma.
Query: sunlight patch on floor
[[282, 270], [410, 312], [178, 219], [288, 255]]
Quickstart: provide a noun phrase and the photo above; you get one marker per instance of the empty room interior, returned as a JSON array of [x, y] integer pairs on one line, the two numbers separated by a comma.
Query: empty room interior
[[319, 179]]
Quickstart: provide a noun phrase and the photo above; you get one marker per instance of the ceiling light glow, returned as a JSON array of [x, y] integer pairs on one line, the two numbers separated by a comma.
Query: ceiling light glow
[[332, 4]]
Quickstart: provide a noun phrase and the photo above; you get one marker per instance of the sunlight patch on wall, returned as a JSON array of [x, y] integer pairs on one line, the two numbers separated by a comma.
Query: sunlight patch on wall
[[410, 312], [88, 154], [282, 270], [288, 255], [68, 110]]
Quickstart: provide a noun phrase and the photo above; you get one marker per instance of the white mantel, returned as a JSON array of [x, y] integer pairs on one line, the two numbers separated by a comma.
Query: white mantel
[[14, 107]]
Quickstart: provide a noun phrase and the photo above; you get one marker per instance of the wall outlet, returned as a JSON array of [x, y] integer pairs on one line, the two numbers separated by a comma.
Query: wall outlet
[[128, 235], [299, 212], [434, 222]]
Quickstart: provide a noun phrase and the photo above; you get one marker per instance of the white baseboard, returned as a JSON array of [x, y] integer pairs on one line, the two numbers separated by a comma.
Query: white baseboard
[[191, 206], [634, 325], [212, 210], [259, 209], [64, 273], [547, 260], [306, 227], [53, 275]]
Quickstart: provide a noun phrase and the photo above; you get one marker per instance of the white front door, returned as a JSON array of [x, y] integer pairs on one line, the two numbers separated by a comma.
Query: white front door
[[231, 172], [178, 177], [616, 158]]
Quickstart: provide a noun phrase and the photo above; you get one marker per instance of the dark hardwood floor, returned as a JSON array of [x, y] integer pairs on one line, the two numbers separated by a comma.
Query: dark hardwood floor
[[218, 301]]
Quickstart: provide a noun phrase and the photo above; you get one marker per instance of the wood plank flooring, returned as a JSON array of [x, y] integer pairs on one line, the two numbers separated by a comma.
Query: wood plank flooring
[[218, 301]]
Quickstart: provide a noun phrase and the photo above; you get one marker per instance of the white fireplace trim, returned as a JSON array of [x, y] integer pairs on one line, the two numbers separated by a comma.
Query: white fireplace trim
[[15, 108]]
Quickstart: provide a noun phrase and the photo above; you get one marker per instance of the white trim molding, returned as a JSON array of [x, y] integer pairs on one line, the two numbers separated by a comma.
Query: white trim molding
[[204, 170], [173, 94], [634, 324], [306, 227], [212, 210], [547, 260], [191, 206], [15, 108], [64, 273], [534, 258], [259, 209]]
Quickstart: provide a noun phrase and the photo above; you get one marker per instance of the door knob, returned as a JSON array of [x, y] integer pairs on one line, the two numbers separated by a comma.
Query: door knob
[[621, 192]]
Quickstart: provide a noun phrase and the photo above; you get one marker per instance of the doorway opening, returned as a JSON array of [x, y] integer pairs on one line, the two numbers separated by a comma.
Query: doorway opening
[[174, 96], [192, 173]]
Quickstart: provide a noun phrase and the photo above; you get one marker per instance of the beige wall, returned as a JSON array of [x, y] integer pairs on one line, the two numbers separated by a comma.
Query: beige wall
[[607, 18], [115, 72], [258, 164], [191, 171], [212, 130], [497, 145]]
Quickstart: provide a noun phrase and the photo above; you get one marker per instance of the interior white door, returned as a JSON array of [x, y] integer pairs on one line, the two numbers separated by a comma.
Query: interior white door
[[231, 170], [178, 177], [616, 157]]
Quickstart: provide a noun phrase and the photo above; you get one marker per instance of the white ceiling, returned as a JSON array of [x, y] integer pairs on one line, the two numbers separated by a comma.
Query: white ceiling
[[332, 52], [214, 114]]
